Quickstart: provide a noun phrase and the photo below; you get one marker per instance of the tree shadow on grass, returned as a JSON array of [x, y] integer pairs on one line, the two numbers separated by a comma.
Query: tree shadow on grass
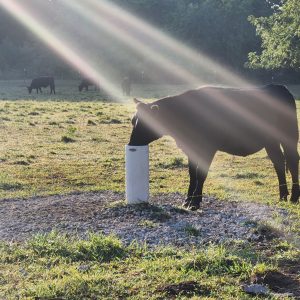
[[11, 186]]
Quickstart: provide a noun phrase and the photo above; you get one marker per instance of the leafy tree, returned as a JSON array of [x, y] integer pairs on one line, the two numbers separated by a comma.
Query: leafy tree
[[280, 35], [220, 28]]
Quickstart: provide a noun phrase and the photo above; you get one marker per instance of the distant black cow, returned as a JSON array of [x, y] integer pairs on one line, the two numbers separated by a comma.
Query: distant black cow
[[85, 83], [43, 81], [235, 121], [126, 86]]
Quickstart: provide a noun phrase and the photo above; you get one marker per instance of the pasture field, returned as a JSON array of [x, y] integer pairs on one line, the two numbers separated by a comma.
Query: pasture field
[[77, 144], [74, 142]]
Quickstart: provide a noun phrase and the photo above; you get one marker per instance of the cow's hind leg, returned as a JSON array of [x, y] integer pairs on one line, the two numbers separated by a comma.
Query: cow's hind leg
[[278, 160], [292, 160]]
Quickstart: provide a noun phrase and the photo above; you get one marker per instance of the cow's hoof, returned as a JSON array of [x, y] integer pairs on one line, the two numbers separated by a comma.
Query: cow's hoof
[[283, 198], [194, 207], [283, 193], [194, 204], [186, 203], [295, 199], [295, 194]]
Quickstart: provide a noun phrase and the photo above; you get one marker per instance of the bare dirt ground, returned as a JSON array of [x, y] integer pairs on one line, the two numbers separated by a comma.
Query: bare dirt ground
[[160, 222]]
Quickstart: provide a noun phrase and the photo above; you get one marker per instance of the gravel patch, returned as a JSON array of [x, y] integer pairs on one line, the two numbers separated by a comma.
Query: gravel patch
[[163, 221]]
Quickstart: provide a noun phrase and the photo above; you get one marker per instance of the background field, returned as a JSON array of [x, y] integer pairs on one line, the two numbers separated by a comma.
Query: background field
[[75, 142]]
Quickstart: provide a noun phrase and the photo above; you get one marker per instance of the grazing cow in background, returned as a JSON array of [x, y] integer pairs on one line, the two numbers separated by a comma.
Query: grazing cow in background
[[43, 81], [236, 121], [126, 86], [86, 82]]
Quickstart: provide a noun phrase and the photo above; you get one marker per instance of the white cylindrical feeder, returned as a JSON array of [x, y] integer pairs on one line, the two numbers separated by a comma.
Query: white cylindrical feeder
[[137, 174]]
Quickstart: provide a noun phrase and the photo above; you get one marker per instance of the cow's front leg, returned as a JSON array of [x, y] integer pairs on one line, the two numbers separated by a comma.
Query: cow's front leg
[[193, 183], [201, 173], [196, 198]]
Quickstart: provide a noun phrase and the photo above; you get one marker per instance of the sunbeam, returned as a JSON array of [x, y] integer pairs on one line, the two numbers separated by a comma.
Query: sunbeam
[[157, 39], [117, 28], [128, 27]]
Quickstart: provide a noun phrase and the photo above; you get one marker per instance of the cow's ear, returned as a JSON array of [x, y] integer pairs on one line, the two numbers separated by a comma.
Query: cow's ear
[[140, 105], [137, 101]]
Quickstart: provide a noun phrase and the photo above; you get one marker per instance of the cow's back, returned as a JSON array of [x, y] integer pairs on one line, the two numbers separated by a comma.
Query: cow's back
[[42, 81], [226, 118]]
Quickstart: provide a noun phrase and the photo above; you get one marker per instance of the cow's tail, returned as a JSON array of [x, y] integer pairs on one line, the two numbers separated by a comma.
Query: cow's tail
[[290, 132], [290, 152]]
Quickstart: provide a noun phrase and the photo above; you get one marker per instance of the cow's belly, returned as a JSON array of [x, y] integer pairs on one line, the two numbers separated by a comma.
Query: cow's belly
[[242, 140], [240, 150], [231, 146]]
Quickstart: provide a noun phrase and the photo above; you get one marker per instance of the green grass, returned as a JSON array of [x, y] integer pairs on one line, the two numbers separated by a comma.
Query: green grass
[[75, 143], [51, 148], [41, 153], [191, 230], [44, 143], [100, 267]]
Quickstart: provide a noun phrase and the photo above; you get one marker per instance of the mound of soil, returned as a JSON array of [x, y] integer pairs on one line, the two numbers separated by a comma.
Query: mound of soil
[[280, 282], [163, 221]]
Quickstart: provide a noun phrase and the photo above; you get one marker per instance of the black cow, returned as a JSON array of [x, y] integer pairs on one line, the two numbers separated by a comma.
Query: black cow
[[43, 81], [126, 86], [235, 121], [85, 83]]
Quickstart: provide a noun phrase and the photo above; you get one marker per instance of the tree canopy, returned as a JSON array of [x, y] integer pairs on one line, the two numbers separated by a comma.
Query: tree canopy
[[217, 28], [280, 35]]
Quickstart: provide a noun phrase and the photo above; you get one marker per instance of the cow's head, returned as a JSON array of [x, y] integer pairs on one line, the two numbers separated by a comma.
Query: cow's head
[[29, 88], [145, 124]]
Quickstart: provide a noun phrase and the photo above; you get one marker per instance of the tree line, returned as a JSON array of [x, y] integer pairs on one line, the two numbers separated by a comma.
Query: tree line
[[257, 38]]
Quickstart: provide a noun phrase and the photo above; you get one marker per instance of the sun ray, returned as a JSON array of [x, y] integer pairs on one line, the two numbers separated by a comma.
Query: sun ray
[[111, 24], [155, 36], [124, 19]]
